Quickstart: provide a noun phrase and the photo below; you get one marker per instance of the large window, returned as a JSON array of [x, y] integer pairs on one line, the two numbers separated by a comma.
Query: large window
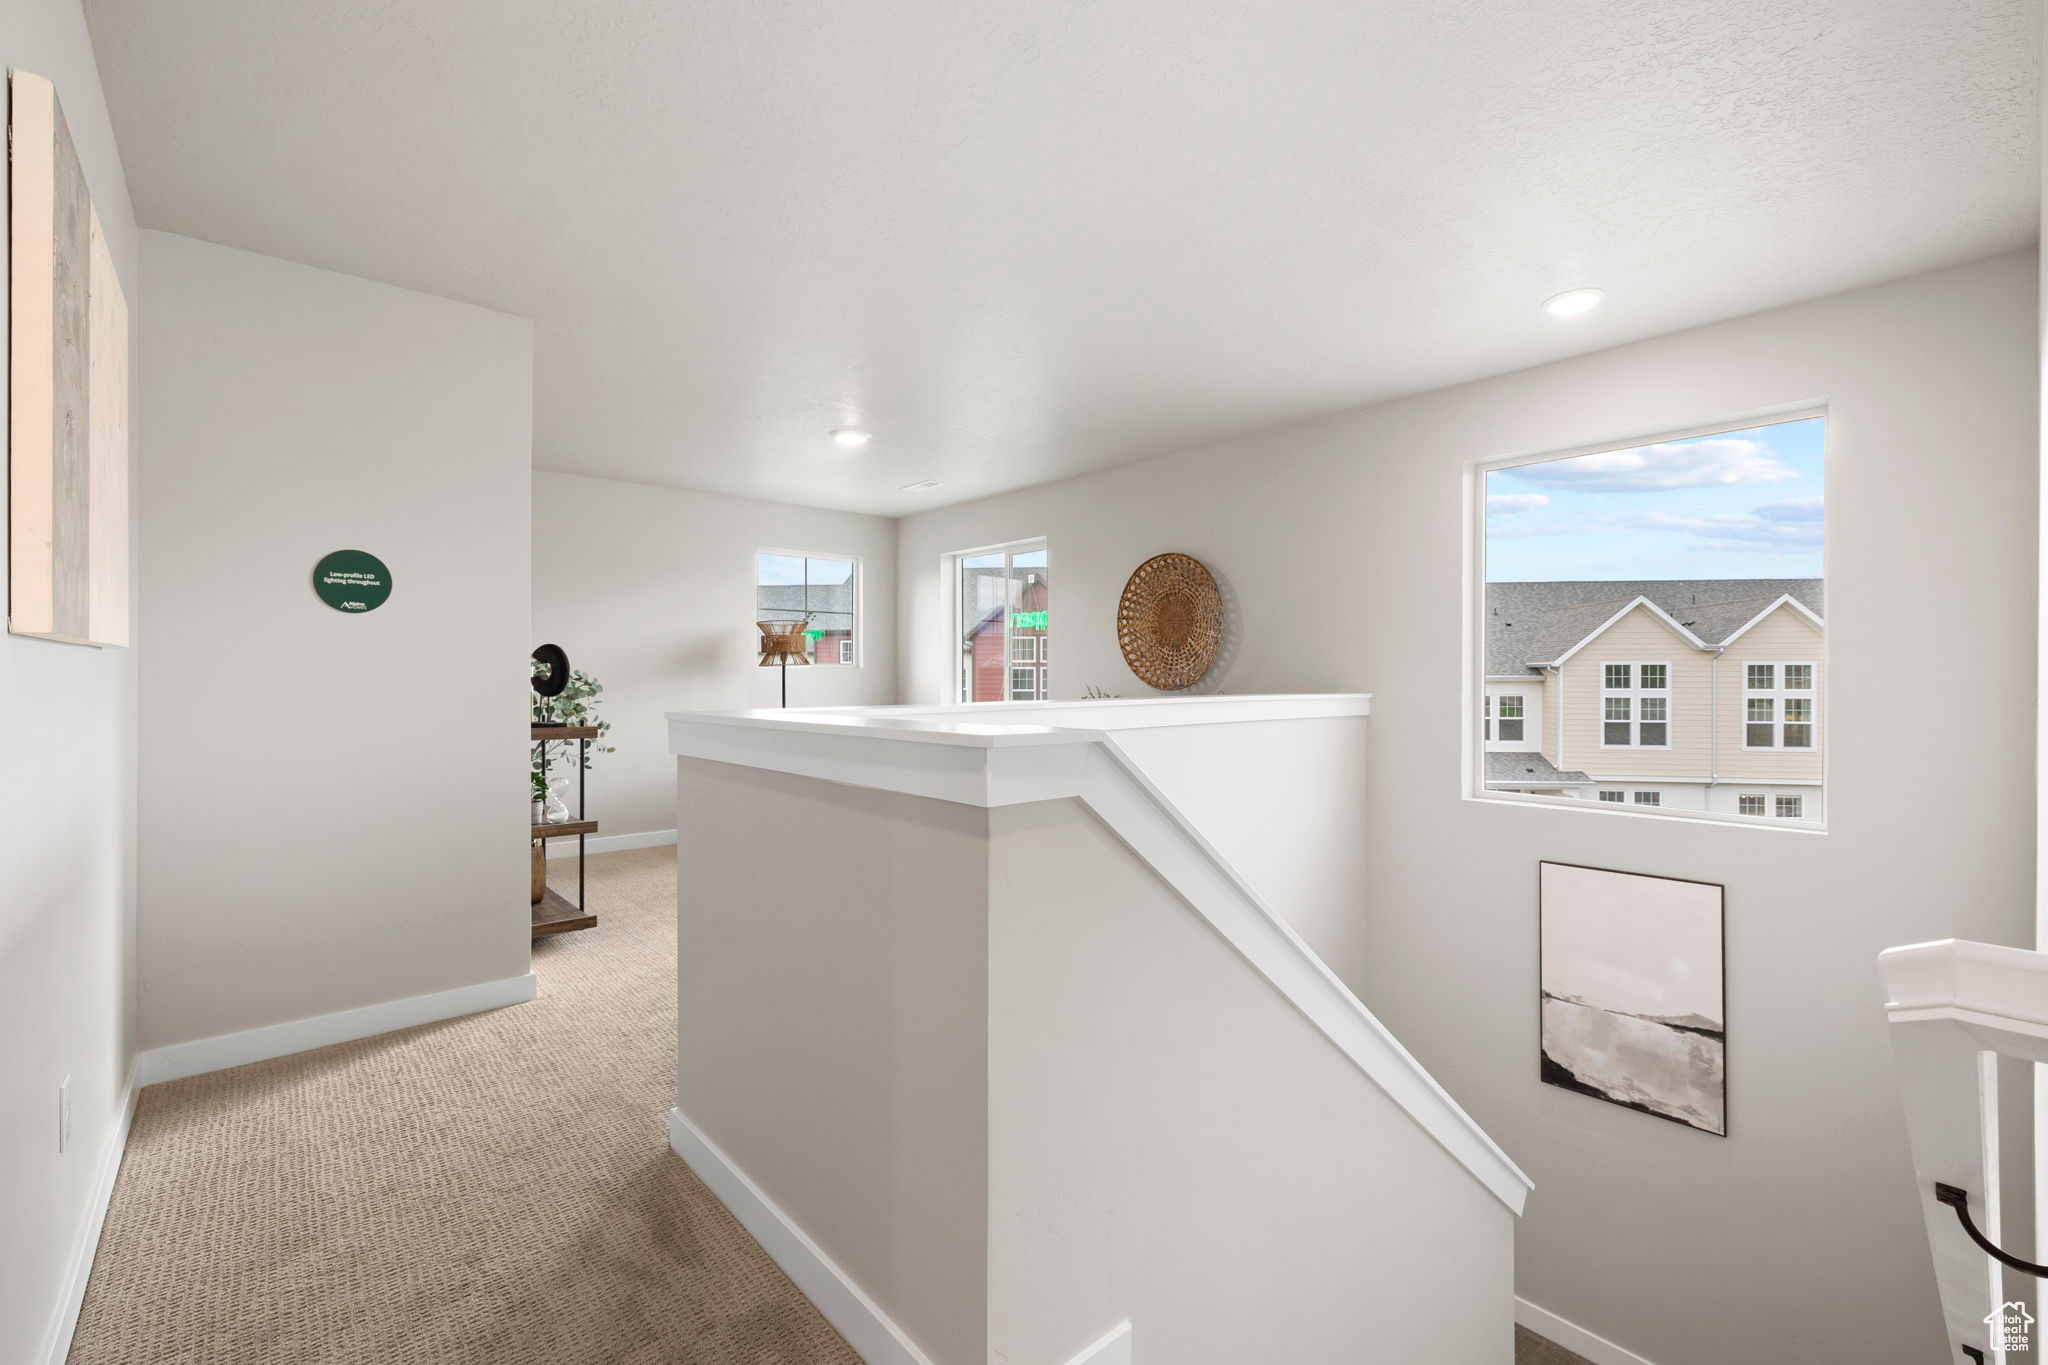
[[1003, 623], [1649, 625], [822, 590]]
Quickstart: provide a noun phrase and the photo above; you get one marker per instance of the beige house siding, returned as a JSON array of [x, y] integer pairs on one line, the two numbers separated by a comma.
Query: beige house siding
[[1783, 637], [1638, 638]]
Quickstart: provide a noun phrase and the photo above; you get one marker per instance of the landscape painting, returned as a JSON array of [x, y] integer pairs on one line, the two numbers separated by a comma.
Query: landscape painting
[[1634, 1002]]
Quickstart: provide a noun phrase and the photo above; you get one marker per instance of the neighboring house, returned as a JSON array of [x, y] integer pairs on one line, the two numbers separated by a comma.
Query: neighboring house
[[1020, 673], [1696, 694]]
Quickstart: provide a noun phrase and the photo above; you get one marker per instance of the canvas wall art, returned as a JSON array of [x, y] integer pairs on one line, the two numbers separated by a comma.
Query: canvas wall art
[[1633, 997], [67, 377]]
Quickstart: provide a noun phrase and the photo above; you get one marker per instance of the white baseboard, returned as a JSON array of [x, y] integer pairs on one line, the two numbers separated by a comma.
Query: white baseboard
[[1573, 1337], [66, 1322], [1113, 1349], [344, 1026], [851, 1312], [611, 843]]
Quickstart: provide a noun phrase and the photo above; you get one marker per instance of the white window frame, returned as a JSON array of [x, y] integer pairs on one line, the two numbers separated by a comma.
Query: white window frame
[[1010, 687], [1030, 657], [1778, 694], [1763, 804], [1474, 749], [858, 584], [1646, 799], [949, 575], [847, 650], [1778, 807], [1613, 798], [1635, 693]]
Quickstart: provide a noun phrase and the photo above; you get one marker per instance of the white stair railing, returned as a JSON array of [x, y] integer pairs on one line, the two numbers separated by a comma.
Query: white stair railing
[[1955, 1007]]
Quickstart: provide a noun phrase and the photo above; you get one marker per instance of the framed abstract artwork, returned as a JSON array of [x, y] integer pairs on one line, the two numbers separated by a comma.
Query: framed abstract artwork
[[1634, 997], [67, 381]]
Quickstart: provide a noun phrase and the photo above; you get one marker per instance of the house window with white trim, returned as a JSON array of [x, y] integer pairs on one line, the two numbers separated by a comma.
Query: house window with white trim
[[1648, 618], [1778, 706], [1002, 611], [1791, 808], [822, 591], [1635, 706]]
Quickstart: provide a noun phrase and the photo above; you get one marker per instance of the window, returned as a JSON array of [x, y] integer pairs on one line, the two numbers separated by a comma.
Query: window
[[1626, 591], [1778, 706], [1638, 716], [1649, 798], [822, 590], [1002, 620], [1791, 807]]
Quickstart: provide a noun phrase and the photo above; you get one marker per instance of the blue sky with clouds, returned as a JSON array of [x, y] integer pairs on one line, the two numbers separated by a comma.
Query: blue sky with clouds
[[1742, 504]]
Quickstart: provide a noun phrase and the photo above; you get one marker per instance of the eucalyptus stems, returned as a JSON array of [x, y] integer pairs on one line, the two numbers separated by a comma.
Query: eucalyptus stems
[[574, 705]]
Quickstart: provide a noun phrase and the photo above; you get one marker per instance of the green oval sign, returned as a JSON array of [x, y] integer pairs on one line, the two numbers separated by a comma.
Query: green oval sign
[[352, 580]]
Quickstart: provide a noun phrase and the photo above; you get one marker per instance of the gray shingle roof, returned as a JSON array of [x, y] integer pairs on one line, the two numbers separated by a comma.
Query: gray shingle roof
[[1528, 770], [786, 601], [1535, 622]]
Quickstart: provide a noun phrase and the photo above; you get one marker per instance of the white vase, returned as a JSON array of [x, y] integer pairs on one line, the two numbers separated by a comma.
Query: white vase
[[540, 810], [557, 810]]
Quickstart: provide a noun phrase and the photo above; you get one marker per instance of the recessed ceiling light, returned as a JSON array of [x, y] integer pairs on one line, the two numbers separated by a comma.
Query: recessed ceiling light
[[852, 436], [924, 485], [1573, 302]]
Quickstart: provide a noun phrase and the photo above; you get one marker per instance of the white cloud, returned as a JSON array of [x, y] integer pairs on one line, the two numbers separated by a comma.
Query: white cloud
[[1789, 526], [1514, 502], [1793, 509], [1717, 462]]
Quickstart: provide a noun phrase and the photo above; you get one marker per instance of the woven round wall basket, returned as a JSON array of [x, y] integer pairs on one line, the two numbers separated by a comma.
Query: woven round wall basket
[[1170, 621]]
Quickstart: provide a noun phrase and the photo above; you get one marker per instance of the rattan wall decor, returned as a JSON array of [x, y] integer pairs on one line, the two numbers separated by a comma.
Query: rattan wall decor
[[1170, 621]]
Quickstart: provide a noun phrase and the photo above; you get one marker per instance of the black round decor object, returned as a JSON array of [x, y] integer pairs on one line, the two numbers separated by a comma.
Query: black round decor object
[[557, 676], [352, 580]]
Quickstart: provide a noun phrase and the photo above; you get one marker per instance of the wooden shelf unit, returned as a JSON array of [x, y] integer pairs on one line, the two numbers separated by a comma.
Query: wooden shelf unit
[[555, 913]]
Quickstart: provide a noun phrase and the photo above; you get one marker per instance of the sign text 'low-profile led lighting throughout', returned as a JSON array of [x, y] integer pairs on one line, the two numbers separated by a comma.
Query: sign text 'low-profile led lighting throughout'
[[1573, 302], [852, 437]]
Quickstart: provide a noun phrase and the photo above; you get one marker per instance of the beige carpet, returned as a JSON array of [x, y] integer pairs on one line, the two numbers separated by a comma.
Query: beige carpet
[[497, 1188]]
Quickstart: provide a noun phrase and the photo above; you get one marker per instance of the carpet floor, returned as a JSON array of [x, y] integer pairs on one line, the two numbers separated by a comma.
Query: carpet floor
[[494, 1189]]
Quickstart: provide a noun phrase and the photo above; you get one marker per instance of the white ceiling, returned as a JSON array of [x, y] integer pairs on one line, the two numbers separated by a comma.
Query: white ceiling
[[1022, 239]]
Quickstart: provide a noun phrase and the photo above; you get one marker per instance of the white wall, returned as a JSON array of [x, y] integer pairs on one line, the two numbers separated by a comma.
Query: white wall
[[832, 1033], [67, 802], [651, 591], [1804, 1216], [332, 804], [1172, 1142]]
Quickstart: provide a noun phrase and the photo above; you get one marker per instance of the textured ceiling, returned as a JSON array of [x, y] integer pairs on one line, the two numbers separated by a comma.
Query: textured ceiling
[[1021, 240]]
